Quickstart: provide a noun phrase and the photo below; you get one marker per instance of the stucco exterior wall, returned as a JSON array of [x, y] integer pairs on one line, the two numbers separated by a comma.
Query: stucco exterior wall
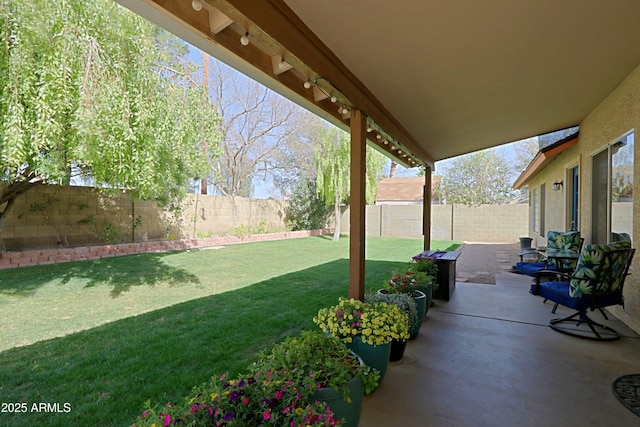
[[556, 209], [616, 115]]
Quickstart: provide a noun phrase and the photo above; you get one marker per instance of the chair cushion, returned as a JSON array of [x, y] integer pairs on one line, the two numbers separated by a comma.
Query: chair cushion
[[592, 260], [562, 244], [559, 292], [620, 237], [530, 268]]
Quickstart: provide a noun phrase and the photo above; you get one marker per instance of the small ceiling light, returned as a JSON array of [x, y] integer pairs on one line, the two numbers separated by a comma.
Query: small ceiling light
[[393, 147], [369, 129], [399, 151], [196, 5], [386, 142], [283, 65], [334, 99], [307, 84], [378, 136], [345, 110], [244, 40]]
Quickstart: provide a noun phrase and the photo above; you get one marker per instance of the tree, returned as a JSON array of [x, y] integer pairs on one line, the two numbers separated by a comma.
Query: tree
[[332, 157], [295, 159], [256, 123], [477, 178], [306, 209], [526, 150], [92, 87]]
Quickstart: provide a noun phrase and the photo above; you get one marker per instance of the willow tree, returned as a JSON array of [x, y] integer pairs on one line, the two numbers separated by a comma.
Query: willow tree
[[94, 88], [333, 159]]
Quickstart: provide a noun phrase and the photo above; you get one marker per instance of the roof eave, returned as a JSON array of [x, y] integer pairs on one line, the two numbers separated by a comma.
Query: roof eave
[[543, 158]]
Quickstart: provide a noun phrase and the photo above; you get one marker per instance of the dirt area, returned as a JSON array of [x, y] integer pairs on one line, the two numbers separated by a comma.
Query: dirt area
[[480, 262]]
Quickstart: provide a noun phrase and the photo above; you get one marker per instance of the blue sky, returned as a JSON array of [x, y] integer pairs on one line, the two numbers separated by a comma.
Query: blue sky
[[263, 186]]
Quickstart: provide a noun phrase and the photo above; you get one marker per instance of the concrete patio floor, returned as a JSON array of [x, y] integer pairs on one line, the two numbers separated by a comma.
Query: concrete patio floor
[[488, 358]]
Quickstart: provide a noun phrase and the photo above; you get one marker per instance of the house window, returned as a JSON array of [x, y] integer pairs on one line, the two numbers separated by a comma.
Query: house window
[[612, 190], [538, 209], [573, 195]]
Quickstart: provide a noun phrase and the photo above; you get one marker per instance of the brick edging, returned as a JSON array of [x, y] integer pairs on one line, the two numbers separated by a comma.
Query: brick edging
[[55, 256]]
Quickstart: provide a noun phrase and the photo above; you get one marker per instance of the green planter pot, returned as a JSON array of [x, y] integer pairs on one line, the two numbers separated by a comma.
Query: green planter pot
[[349, 411], [428, 291], [421, 307], [375, 356]]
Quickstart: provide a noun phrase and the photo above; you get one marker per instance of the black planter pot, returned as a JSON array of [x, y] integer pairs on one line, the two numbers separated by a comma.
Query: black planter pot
[[397, 350]]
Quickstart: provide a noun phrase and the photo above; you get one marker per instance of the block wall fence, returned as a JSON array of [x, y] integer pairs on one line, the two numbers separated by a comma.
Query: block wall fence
[[486, 223], [51, 224]]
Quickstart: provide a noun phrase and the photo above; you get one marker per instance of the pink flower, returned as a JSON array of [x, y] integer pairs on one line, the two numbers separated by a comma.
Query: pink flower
[[245, 400], [166, 418], [278, 395], [265, 415]]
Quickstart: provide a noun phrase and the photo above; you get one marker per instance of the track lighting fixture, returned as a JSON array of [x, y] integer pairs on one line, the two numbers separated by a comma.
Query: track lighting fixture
[[244, 40]]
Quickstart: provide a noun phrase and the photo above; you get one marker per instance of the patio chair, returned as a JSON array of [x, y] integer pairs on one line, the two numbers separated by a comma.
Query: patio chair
[[560, 256], [620, 237], [597, 282], [561, 253]]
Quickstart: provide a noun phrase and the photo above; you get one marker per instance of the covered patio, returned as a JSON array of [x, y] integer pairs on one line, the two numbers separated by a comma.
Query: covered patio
[[426, 81], [421, 81], [488, 358]]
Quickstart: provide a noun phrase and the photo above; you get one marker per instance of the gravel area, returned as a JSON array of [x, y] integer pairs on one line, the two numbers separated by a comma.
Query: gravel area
[[480, 262]]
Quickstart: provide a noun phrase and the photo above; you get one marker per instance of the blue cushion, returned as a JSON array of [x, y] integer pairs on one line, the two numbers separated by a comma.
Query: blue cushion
[[530, 268], [559, 292]]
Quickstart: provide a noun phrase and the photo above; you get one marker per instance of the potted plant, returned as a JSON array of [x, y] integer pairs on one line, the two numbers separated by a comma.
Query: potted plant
[[405, 303], [324, 369], [427, 266], [247, 401], [408, 283], [367, 329]]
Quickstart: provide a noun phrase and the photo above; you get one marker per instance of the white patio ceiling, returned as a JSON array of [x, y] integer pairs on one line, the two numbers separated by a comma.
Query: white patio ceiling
[[440, 77]]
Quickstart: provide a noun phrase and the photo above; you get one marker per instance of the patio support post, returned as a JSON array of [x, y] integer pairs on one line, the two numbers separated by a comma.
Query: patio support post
[[357, 205], [426, 209]]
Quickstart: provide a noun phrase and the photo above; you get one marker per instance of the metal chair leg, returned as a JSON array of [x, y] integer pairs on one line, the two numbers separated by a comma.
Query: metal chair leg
[[585, 328]]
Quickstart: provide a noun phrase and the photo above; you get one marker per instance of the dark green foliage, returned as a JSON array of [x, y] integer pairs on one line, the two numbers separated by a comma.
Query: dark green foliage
[[307, 210]]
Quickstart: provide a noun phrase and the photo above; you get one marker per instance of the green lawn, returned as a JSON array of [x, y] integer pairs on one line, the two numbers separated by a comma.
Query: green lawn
[[104, 336]]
